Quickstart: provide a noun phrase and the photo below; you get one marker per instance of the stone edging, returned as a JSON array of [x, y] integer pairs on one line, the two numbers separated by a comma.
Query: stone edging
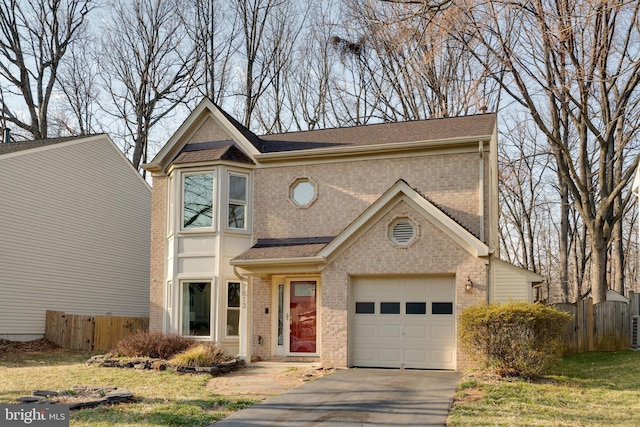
[[111, 395], [161, 364]]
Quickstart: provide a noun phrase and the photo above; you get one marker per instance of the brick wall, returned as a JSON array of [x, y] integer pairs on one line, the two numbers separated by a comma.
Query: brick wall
[[208, 132], [158, 251], [345, 189], [375, 254]]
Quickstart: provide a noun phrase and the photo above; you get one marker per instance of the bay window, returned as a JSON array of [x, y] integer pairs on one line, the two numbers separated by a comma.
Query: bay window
[[237, 201], [197, 200], [196, 308], [233, 309]]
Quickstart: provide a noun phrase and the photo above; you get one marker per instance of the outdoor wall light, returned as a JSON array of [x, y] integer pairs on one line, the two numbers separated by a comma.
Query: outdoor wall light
[[468, 284], [259, 340]]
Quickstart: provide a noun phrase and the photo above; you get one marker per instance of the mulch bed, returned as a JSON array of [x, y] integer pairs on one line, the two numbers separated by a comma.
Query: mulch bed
[[39, 345]]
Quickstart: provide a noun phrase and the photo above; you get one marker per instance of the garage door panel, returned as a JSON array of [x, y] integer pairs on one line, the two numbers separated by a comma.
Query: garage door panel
[[389, 331], [442, 332], [397, 325], [366, 331], [415, 356], [389, 355], [416, 332], [365, 353]]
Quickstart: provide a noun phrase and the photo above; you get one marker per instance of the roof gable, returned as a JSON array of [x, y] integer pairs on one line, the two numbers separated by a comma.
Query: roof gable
[[245, 140], [401, 191]]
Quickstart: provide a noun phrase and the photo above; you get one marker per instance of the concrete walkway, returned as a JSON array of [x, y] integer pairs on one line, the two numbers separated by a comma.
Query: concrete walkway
[[357, 397]]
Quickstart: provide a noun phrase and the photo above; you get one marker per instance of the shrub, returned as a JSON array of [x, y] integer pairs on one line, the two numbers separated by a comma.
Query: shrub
[[204, 354], [144, 344], [515, 339]]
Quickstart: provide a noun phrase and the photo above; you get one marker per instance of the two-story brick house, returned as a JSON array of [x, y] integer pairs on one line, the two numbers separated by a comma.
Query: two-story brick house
[[352, 246]]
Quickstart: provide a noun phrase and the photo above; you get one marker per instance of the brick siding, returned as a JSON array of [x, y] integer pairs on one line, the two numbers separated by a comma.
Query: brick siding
[[158, 252]]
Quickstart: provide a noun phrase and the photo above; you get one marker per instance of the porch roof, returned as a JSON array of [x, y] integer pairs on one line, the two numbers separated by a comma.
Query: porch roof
[[273, 249]]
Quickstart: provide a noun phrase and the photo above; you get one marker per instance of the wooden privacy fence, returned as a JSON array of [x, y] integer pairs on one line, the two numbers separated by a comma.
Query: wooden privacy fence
[[601, 327], [93, 333]]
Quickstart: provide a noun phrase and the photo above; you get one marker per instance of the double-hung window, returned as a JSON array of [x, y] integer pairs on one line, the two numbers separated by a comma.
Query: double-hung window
[[233, 309], [197, 200], [237, 201]]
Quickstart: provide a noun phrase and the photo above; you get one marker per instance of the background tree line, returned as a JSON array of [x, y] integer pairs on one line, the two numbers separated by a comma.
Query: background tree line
[[563, 74]]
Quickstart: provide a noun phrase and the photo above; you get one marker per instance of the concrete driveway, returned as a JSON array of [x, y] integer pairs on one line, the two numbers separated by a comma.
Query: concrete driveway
[[357, 397]]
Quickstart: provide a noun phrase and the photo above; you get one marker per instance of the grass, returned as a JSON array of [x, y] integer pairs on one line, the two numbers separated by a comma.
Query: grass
[[161, 398], [592, 389]]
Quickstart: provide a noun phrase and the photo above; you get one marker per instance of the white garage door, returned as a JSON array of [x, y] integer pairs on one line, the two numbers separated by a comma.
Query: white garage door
[[403, 323]]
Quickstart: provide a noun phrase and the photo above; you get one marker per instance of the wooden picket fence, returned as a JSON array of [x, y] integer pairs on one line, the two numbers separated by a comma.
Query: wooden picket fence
[[92, 333], [601, 327]]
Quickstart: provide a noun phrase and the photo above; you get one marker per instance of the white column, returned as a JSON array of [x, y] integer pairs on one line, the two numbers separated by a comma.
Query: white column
[[245, 319]]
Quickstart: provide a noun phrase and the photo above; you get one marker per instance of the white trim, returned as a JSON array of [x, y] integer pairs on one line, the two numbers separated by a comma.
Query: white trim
[[349, 158], [244, 203], [226, 309], [399, 149]]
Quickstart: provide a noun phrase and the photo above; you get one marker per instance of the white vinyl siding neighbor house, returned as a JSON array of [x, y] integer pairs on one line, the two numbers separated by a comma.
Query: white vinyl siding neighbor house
[[74, 233]]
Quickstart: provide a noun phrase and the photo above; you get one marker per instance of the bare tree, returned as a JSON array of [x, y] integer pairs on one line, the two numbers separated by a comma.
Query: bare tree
[[309, 84], [574, 66], [149, 68], [214, 30], [34, 38], [78, 82], [273, 112], [414, 67], [259, 21], [523, 176]]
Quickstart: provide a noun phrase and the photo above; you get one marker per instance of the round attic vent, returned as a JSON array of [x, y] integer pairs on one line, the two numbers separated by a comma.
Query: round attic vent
[[402, 232]]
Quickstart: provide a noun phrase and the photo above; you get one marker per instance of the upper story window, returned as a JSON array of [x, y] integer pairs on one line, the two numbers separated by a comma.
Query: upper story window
[[237, 201], [197, 200], [303, 192]]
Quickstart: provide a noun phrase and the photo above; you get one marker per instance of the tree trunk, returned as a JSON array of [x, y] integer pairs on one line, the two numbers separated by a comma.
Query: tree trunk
[[563, 244], [599, 269]]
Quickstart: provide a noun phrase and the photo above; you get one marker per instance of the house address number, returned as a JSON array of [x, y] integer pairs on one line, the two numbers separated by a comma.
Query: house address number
[[244, 295]]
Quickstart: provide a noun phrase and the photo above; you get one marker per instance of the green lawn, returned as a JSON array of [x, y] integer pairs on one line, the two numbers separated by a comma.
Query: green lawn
[[161, 398], [592, 389]]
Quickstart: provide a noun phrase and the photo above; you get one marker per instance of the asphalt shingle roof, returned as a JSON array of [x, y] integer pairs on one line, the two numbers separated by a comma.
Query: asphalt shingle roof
[[383, 133], [13, 147], [211, 151]]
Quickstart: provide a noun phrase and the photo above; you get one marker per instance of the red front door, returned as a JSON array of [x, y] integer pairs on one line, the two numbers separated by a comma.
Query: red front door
[[302, 308]]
